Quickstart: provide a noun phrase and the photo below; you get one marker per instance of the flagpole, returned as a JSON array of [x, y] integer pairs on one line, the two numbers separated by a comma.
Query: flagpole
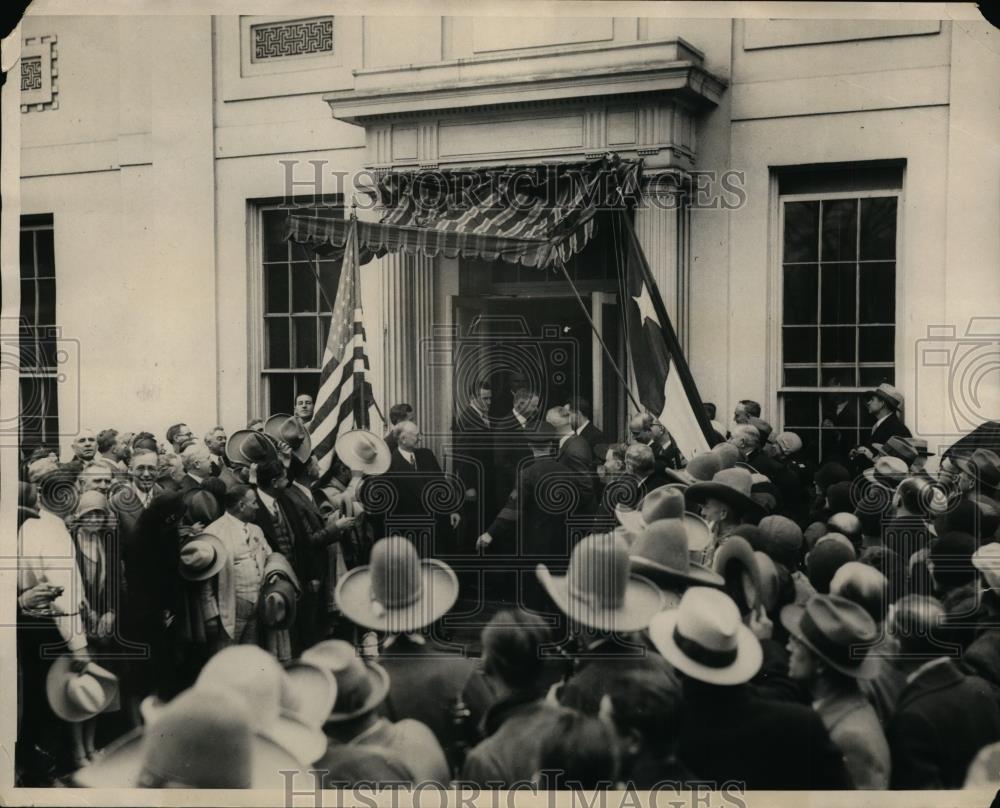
[[355, 258]]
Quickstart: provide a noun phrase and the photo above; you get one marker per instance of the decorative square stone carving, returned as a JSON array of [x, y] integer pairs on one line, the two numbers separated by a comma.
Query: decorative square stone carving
[[38, 74], [289, 39]]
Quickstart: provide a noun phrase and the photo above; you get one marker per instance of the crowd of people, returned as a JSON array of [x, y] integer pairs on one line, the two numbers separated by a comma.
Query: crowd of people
[[230, 612]]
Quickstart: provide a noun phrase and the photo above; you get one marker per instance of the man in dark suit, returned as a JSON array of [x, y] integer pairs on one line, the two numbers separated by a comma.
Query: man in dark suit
[[943, 716], [313, 535], [474, 457], [573, 452], [412, 469], [580, 414], [646, 429], [883, 404], [513, 441]]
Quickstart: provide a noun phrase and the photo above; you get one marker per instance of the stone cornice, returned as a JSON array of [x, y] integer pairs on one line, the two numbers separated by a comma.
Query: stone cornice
[[668, 67]]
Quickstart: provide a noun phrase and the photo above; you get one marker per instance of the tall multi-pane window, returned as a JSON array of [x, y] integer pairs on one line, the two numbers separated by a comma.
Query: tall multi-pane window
[[38, 336], [838, 326], [298, 297]]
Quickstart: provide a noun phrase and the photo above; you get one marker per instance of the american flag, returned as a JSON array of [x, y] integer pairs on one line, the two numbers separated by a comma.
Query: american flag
[[344, 396]]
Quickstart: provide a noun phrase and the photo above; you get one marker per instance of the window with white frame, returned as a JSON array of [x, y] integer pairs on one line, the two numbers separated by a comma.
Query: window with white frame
[[38, 336], [296, 305], [838, 281]]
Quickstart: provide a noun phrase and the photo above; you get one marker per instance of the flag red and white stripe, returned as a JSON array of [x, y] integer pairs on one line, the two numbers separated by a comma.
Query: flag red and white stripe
[[344, 396]]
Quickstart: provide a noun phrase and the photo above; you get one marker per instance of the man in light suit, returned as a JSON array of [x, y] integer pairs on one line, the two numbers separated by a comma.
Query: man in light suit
[[231, 597]]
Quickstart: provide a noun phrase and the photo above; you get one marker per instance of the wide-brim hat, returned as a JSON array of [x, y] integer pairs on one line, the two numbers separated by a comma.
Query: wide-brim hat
[[898, 446], [438, 592], [79, 691], [120, 763], [983, 465], [313, 690], [289, 594], [736, 563], [720, 490], [292, 430], [248, 446], [796, 620], [698, 531], [888, 471], [598, 562], [737, 664], [332, 655], [652, 559], [209, 543], [889, 394], [364, 451]]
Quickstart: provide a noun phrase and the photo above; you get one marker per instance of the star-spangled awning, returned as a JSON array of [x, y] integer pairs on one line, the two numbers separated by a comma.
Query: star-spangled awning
[[537, 215]]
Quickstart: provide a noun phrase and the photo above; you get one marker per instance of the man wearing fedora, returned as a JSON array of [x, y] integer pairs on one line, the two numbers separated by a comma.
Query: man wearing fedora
[[362, 687], [725, 504], [828, 642], [730, 733], [403, 597], [884, 404]]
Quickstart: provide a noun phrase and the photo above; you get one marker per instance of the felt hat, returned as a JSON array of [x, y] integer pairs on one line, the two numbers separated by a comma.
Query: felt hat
[[831, 552], [728, 454], [664, 507], [887, 471], [203, 738], [781, 539], [361, 685], [292, 430], [898, 446], [983, 465], [863, 584], [79, 690], [847, 524], [248, 446], [839, 631], [310, 693], [361, 450], [705, 638], [662, 553], [700, 468], [202, 557], [732, 486], [770, 582], [599, 589], [397, 591], [923, 450], [257, 676], [734, 560], [889, 394]]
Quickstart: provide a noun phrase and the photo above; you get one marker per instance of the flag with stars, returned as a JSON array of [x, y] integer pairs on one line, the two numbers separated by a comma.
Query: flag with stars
[[345, 396], [663, 378]]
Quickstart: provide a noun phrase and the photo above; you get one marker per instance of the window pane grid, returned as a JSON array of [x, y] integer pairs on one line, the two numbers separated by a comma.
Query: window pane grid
[[838, 324], [296, 313]]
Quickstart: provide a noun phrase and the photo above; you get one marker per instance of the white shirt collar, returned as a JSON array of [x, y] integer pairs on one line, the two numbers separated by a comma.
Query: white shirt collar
[[565, 438], [303, 488], [195, 477], [408, 456], [267, 499], [582, 426], [520, 418], [926, 667], [879, 421]]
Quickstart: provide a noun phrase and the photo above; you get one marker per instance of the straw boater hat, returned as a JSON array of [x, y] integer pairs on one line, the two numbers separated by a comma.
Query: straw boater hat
[[202, 557], [736, 563], [291, 430], [662, 553], [201, 739], [599, 590], [361, 685], [398, 592], [889, 394], [79, 690], [361, 450], [705, 638], [732, 486], [257, 676], [839, 631], [248, 446]]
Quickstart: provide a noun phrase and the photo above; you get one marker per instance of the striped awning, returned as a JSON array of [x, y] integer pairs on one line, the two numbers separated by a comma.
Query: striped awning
[[537, 215]]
